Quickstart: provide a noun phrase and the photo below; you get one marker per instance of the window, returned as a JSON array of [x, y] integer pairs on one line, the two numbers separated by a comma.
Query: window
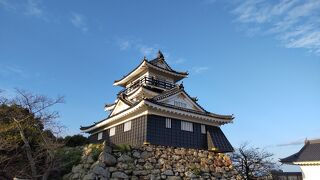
[[203, 129], [127, 126], [180, 104], [99, 135], [168, 122], [112, 131], [186, 126]]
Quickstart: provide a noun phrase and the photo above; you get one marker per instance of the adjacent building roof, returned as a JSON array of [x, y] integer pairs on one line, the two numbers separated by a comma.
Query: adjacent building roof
[[309, 153]]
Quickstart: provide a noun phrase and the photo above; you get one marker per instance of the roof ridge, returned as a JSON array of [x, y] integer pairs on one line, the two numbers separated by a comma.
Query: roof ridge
[[123, 98], [314, 141], [168, 93], [181, 89], [188, 110], [109, 104], [169, 70]]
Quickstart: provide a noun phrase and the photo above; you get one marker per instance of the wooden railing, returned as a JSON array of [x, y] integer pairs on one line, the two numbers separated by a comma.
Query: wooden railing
[[149, 81]]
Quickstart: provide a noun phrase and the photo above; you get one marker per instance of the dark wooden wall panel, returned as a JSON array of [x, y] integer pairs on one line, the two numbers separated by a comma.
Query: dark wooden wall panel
[[158, 134], [152, 129], [134, 137]]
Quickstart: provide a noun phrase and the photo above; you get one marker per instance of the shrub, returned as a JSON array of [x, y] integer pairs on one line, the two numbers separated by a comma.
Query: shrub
[[96, 151], [196, 171], [123, 148], [68, 157]]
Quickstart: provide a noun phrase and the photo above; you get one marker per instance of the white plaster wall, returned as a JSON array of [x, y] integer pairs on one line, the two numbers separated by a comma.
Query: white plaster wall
[[310, 172], [142, 76]]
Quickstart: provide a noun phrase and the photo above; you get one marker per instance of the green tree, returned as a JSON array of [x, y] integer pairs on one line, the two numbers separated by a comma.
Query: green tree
[[76, 140]]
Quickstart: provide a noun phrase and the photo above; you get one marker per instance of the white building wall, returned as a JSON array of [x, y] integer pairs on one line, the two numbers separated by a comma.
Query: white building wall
[[311, 172]]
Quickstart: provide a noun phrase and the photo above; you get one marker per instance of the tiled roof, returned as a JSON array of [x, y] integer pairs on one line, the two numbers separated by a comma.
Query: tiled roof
[[218, 140], [109, 105], [95, 123], [160, 57], [168, 93], [124, 99], [227, 117], [154, 63], [176, 90], [309, 152], [163, 95]]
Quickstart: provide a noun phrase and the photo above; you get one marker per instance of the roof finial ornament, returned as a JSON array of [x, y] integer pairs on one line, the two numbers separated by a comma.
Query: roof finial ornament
[[160, 55], [181, 85], [145, 58]]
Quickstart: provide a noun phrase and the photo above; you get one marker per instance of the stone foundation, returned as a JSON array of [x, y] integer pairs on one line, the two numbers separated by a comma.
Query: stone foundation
[[153, 162]]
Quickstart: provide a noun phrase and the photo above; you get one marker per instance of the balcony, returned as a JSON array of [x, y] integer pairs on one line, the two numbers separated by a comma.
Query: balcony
[[149, 81]]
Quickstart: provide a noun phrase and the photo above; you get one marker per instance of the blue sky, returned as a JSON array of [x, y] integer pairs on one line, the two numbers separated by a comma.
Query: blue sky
[[258, 60]]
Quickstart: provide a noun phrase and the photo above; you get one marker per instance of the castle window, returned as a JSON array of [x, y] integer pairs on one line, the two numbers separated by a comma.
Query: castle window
[[112, 131], [99, 135], [203, 129], [180, 104], [168, 122], [127, 126], [186, 126]]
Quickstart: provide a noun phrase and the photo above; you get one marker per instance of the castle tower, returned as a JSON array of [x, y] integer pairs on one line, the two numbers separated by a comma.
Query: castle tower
[[153, 108]]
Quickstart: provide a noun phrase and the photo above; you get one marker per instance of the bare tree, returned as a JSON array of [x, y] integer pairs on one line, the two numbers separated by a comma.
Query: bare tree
[[37, 117], [251, 162]]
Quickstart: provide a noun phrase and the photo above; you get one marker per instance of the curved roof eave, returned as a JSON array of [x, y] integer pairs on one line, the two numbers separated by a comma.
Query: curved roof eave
[[105, 121], [121, 81], [221, 118]]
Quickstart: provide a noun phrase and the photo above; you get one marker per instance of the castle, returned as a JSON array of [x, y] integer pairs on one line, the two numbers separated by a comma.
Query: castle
[[154, 108]]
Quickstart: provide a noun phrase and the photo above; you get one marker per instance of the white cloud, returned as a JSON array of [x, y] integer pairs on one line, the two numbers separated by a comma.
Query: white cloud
[[33, 8], [294, 23], [147, 50], [7, 5], [7, 93], [12, 71], [138, 45], [179, 61], [200, 69], [79, 21], [124, 45]]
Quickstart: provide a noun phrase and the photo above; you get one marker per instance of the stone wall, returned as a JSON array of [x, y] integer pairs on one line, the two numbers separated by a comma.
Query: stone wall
[[153, 162]]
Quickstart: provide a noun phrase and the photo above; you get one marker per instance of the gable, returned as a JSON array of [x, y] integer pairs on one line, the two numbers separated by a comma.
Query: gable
[[162, 64], [120, 106], [181, 100], [141, 93]]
